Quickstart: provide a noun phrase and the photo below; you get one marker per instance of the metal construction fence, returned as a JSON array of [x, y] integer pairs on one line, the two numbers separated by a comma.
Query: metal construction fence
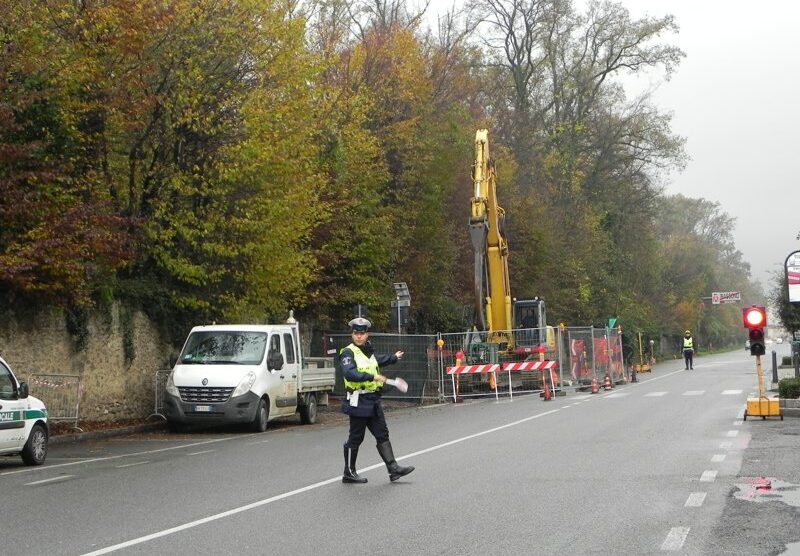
[[61, 395], [160, 385], [581, 354]]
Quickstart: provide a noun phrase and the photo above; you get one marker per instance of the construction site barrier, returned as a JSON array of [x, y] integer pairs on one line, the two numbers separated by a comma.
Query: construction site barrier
[[548, 369], [61, 395], [159, 387]]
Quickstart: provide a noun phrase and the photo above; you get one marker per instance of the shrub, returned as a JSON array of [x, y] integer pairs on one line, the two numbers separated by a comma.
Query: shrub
[[789, 388]]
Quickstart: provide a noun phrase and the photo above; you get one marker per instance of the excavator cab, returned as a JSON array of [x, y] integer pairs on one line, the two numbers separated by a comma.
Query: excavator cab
[[530, 323]]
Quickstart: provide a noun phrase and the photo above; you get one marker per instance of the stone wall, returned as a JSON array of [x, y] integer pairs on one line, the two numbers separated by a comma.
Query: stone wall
[[112, 386]]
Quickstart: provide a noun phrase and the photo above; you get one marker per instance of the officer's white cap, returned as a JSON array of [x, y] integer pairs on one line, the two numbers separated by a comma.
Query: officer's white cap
[[359, 324]]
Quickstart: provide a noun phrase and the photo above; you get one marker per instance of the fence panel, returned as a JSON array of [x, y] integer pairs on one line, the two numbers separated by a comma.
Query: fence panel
[[159, 387], [503, 348], [61, 395], [419, 366]]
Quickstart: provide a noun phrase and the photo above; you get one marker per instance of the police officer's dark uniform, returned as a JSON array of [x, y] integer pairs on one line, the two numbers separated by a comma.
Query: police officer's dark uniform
[[364, 383]]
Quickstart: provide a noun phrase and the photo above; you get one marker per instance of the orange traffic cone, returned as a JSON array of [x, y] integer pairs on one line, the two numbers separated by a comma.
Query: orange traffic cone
[[547, 395], [607, 383], [594, 385]]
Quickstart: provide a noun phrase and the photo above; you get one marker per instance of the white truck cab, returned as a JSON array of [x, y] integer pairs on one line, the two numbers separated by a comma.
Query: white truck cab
[[23, 420], [243, 373]]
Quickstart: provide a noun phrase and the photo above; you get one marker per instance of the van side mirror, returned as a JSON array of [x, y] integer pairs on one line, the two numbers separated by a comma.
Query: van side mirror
[[274, 361], [22, 393]]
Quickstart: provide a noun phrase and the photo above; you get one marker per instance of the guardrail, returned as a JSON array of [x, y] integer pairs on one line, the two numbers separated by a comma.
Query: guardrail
[[61, 395]]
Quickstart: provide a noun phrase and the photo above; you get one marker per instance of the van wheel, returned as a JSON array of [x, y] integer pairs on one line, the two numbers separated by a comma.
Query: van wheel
[[308, 412], [35, 449], [261, 418]]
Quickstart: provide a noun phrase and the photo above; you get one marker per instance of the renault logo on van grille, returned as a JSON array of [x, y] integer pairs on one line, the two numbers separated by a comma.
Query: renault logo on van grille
[[205, 382]]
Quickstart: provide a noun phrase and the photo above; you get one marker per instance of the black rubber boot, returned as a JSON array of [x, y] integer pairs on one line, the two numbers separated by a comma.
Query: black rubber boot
[[350, 475], [395, 471]]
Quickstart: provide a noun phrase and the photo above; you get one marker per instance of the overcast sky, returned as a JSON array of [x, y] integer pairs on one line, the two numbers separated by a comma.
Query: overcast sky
[[735, 97], [736, 100]]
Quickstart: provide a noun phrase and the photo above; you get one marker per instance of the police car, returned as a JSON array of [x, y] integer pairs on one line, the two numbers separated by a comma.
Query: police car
[[23, 420]]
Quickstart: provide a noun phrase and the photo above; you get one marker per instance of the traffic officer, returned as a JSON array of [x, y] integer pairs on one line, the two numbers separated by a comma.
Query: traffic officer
[[688, 349], [363, 382]]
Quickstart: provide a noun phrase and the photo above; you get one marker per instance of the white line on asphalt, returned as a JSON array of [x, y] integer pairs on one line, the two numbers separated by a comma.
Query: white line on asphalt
[[732, 434], [314, 486], [731, 392], [50, 480], [708, 476], [618, 395], [198, 453], [123, 466], [258, 442], [134, 454], [737, 423], [726, 445], [675, 538], [716, 458], [655, 394], [695, 500], [694, 393]]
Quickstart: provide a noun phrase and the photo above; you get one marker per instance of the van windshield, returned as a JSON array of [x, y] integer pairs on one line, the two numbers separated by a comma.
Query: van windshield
[[224, 347]]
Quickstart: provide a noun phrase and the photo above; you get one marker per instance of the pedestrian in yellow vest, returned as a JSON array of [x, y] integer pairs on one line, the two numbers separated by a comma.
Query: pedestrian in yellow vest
[[364, 383], [688, 349]]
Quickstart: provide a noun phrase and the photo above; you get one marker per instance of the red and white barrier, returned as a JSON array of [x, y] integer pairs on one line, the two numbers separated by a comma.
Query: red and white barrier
[[544, 366], [469, 369]]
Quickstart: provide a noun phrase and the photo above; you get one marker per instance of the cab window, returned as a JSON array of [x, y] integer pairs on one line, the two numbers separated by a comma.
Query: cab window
[[288, 342], [8, 386], [275, 344]]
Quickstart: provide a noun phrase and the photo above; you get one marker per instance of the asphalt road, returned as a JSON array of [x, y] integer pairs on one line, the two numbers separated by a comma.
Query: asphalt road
[[665, 465]]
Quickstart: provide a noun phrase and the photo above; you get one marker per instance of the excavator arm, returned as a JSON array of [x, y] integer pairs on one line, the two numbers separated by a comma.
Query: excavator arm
[[492, 288]]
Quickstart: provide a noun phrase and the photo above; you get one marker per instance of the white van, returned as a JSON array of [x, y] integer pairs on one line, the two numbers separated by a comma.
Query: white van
[[244, 373], [23, 420]]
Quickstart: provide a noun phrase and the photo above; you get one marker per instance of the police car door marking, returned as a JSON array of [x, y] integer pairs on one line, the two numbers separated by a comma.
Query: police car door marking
[[11, 420]]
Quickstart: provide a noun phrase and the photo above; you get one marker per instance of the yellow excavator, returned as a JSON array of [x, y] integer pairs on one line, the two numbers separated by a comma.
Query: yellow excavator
[[496, 311]]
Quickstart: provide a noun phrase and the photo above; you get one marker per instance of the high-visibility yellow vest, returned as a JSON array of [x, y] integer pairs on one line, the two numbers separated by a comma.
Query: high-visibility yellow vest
[[688, 343], [365, 365]]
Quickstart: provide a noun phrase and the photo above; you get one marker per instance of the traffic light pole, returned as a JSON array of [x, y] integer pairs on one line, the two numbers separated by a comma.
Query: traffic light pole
[[762, 393]]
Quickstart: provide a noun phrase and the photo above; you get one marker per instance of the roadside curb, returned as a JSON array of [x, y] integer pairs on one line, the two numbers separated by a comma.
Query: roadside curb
[[99, 435]]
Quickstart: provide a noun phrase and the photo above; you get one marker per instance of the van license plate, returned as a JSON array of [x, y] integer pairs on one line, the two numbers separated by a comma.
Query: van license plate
[[202, 408]]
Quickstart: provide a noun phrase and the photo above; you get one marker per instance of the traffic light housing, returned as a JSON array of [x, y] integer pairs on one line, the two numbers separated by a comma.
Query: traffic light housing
[[755, 319]]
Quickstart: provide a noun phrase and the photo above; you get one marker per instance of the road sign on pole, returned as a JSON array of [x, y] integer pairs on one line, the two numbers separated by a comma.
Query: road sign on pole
[[725, 297]]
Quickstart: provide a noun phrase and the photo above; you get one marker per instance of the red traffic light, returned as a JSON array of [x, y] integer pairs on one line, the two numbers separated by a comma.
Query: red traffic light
[[754, 317]]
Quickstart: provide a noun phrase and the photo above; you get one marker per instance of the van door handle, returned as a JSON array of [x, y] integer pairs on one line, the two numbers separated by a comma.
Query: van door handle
[[283, 376], [294, 376]]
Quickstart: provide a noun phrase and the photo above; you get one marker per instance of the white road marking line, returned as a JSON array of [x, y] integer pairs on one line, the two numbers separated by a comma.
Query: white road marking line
[[708, 476], [123, 466], [258, 442], [51, 480], [732, 434], [726, 445], [655, 394], [694, 392], [737, 423], [301, 490], [717, 458], [675, 538], [731, 392], [198, 453], [618, 395], [134, 454], [695, 500]]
